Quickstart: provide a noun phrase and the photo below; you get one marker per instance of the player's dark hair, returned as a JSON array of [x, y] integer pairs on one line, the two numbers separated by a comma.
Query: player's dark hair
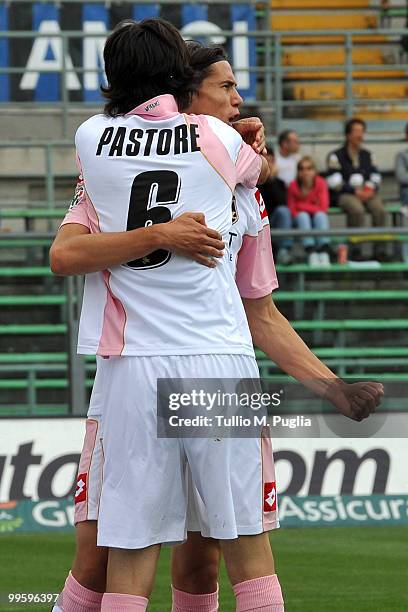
[[202, 57], [284, 136], [143, 60], [348, 126]]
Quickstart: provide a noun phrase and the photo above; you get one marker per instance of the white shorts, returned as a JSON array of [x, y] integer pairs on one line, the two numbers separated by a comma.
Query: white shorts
[[156, 489]]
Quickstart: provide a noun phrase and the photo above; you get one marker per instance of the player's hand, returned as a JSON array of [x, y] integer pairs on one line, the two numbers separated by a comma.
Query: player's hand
[[252, 132], [355, 400], [189, 236]]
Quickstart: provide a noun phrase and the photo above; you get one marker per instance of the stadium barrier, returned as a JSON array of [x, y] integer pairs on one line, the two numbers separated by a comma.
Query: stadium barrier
[[257, 54], [75, 374], [322, 481]]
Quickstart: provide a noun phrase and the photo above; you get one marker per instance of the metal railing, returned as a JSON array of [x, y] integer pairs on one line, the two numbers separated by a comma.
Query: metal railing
[[76, 368], [275, 94]]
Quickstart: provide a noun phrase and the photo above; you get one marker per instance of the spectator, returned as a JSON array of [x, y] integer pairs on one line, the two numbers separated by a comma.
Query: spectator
[[354, 181], [308, 201], [401, 174], [288, 156], [274, 193]]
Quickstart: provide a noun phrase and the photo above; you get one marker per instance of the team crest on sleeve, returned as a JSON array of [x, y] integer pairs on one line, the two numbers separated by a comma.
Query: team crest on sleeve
[[80, 492], [234, 210], [78, 195], [261, 204], [270, 496]]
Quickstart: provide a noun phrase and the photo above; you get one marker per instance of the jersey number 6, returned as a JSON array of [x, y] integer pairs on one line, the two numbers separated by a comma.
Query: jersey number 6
[[150, 191]]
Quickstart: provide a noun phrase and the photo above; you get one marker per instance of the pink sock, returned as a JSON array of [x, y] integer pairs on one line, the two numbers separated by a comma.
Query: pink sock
[[77, 598], [116, 602], [259, 595], [188, 602]]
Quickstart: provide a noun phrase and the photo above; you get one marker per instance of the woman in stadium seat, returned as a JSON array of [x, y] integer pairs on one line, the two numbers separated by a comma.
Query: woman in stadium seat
[[308, 201]]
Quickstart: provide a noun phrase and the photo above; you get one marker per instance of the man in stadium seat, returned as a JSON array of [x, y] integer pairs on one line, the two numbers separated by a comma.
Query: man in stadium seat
[[354, 181], [195, 567], [274, 193], [401, 174], [285, 162]]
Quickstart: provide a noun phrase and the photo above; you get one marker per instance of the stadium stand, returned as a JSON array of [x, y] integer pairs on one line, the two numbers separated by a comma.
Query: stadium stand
[[353, 318], [367, 63]]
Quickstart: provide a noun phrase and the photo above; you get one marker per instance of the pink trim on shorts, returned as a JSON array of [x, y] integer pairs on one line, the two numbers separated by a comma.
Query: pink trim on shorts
[[91, 432], [270, 518], [256, 274], [214, 151], [112, 341]]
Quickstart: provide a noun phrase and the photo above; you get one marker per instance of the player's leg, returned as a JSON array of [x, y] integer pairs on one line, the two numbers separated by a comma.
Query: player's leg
[[130, 578], [143, 500], [86, 581], [90, 563], [235, 478], [194, 572], [251, 570]]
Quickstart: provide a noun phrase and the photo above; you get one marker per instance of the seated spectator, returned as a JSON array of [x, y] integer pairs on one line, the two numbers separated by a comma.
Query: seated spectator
[[274, 194], [287, 156], [354, 180], [308, 201], [401, 174]]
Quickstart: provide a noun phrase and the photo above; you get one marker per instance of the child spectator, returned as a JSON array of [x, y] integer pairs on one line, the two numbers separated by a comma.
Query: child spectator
[[308, 201]]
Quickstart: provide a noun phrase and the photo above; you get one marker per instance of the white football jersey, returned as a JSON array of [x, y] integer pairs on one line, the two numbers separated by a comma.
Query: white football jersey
[[247, 220], [147, 167]]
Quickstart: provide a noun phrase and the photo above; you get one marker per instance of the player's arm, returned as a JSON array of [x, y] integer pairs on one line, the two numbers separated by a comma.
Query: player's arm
[[265, 171], [252, 132], [274, 335], [76, 251]]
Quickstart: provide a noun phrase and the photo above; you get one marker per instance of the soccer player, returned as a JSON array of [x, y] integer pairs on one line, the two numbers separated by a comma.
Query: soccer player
[[144, 163], [193, 571]]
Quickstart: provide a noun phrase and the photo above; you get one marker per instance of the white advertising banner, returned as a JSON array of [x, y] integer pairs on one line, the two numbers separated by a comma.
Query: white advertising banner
[[39, 457]]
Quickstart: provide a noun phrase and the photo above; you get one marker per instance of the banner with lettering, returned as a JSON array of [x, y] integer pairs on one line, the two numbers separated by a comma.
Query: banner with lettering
[[41, 59]]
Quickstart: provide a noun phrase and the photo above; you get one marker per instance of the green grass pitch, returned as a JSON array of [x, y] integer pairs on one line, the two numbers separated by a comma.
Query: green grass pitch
[[357, 569]]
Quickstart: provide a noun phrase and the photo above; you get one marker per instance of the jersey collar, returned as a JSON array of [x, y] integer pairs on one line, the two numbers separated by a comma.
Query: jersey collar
[[159, 107]]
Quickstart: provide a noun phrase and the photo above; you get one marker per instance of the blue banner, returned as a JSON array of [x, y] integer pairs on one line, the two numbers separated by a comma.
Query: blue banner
[[145, 11], [50, 52], [27, 516], [95, 20], [244, 49], [34, 56], [194, 12], [4, 55]]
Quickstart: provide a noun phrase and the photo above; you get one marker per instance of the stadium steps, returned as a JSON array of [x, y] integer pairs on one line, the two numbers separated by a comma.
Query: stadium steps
[[320, 4], [308, 59], [33, 345], [324, 39], [333, 56], [323, 21], [337, 91]]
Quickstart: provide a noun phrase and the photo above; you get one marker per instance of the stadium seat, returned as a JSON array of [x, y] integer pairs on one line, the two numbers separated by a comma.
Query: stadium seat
[[320, 4]]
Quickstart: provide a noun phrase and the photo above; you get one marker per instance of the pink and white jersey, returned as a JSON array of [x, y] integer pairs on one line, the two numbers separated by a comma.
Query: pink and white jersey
[[147, 167], [249, 245]]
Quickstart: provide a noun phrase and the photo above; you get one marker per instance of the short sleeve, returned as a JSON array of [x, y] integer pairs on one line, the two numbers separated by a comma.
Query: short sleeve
[[78, 209], [256, 274], [236, 161], [248, 166]]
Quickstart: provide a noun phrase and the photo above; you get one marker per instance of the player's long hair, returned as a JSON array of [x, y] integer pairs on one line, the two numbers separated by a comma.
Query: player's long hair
[[143, 60], [202, 57]]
